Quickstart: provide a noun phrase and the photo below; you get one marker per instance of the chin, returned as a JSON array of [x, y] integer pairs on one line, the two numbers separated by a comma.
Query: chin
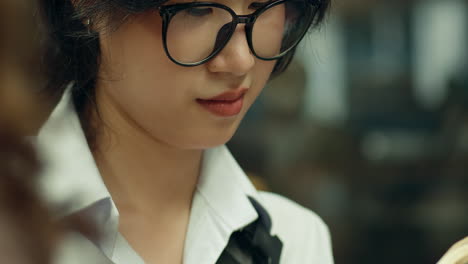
[[211, 143], [208, 141], [209, 135]]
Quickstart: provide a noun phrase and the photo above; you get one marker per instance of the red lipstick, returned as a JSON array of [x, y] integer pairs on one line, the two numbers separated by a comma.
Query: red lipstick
[[226, 104]]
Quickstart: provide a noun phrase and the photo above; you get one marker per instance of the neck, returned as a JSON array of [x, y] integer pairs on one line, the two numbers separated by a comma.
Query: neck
[[142, 174]]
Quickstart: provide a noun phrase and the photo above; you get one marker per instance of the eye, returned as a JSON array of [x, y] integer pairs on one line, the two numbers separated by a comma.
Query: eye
[[258, 5], [199, 11]]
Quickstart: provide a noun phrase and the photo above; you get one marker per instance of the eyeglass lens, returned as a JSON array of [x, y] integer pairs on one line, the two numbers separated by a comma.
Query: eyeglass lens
[[194, 33]]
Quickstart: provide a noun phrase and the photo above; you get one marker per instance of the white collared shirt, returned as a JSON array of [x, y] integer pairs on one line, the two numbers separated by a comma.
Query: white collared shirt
[[220, 204]]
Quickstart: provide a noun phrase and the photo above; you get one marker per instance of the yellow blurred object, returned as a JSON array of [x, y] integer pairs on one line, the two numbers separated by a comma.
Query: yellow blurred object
[[258, 182], [457, 254]]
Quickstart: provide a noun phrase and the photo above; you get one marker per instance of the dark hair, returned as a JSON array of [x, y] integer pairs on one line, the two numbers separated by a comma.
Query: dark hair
[[73, 55]]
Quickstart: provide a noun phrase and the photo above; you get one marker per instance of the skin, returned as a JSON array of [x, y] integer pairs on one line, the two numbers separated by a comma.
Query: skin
[[150, 149]]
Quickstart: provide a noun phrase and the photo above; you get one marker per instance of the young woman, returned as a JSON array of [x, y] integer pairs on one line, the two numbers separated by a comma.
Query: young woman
[[150, 91]]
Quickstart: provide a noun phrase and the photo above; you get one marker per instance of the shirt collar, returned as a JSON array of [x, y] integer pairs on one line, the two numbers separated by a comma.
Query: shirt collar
[[70, 173], [220, 205], [70, 176]]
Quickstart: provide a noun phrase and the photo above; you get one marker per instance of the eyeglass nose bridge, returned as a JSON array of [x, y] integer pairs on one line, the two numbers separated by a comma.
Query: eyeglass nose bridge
[[248, 21], [244, 19]]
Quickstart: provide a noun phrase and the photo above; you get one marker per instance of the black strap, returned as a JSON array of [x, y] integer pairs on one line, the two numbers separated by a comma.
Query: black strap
[[253, 244]]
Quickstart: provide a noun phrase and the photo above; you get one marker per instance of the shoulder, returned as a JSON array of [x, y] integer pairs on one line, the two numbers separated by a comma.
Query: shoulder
[[305, 237]]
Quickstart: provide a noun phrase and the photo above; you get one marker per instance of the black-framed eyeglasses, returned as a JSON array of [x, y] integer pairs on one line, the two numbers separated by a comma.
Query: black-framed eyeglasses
[[195, 32]]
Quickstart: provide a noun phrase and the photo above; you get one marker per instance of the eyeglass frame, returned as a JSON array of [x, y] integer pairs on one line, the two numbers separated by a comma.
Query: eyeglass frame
[[167, 12]]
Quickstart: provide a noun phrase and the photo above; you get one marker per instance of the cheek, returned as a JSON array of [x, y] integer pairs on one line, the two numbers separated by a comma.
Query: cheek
[[268, 32], [262, 73], [134, 52], [137, 76], [136, 68]]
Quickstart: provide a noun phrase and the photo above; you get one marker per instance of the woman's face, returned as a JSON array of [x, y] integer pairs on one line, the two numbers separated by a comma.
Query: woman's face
[[170, 102]]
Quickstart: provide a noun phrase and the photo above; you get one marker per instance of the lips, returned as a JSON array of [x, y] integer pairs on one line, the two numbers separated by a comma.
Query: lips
[[226, 104]]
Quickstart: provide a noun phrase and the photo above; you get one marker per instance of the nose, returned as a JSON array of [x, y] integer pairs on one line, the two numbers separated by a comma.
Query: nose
[[235, 58]]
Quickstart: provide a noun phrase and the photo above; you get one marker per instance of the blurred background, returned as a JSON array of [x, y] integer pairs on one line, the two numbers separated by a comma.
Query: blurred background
[[369, 128]]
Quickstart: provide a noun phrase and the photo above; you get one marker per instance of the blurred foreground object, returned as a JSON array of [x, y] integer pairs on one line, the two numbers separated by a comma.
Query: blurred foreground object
[[19, 49], [26, 231], [458, 254]]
